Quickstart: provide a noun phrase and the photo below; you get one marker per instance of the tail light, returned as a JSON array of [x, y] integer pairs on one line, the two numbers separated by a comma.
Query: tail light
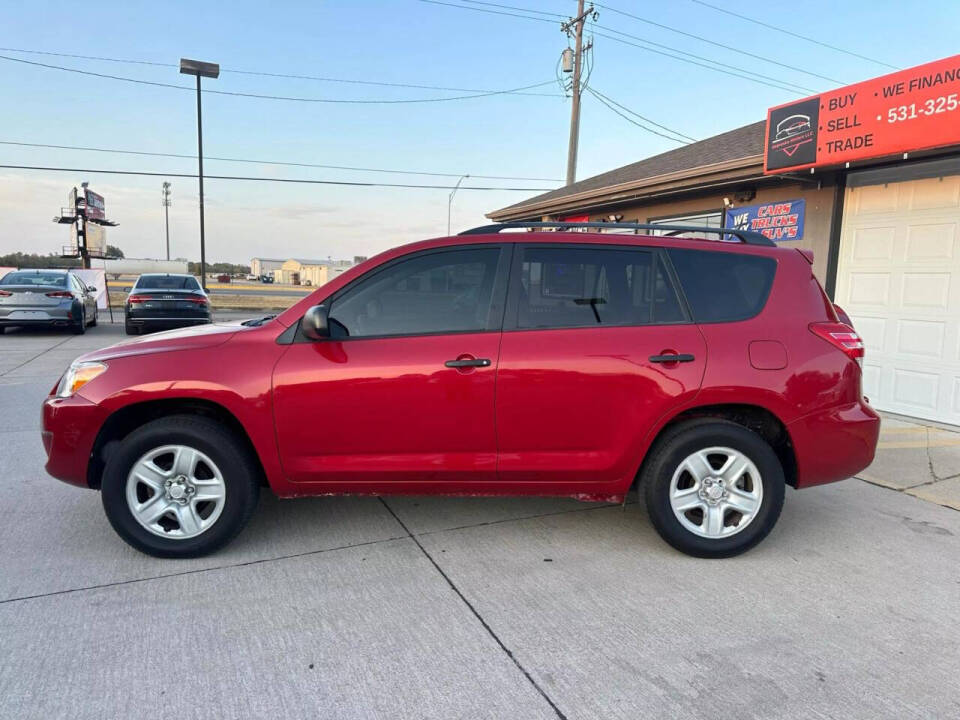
[[134, 299], [841, 336], [60, 294], [197, 300], [4, 293]]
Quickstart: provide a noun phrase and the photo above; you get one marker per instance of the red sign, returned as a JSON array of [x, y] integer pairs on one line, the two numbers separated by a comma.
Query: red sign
[[909, 110], [95, 207]]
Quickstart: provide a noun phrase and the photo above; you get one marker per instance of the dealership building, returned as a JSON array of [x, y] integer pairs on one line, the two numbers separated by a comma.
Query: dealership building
[[867, 177]]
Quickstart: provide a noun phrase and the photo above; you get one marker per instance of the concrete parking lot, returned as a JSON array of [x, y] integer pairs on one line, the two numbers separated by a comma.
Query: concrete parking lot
[[345, 607]]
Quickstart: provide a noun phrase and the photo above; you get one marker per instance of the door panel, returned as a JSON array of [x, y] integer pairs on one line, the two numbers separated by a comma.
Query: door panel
[[573, 406], [387, 410]]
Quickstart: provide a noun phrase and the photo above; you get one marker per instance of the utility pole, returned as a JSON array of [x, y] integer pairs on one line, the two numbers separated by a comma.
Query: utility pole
[[450, 199], [575, 25], [166, 212]]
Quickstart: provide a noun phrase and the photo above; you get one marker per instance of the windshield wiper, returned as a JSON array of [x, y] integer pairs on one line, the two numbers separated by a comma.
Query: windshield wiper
[[258, 321]]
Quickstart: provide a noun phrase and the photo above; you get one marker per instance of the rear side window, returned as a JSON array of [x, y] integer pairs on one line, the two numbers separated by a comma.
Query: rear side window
[[580, 287], [721, 286]]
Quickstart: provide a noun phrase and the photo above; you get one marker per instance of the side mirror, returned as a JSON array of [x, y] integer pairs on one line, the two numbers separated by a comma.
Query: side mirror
[[315, 323], [91, 288]]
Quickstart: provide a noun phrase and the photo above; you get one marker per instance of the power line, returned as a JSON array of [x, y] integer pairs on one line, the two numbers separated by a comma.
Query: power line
[[276, 97], [793, 34], [693, 62], [704, 59], [267, 162], [644, 119], [492, 12], [266, 179], [629, 119], [718, 44], [715, 66], [262, 73], [511, 7]]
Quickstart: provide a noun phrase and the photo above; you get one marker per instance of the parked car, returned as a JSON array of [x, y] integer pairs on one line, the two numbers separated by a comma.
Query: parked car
[[266, 278], [165, 301], [253, 278], [708, 374], [223, 278], [55, 298]]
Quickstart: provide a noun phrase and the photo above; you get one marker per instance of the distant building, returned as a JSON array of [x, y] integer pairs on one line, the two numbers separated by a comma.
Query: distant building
[[301, 271], [264, 266]]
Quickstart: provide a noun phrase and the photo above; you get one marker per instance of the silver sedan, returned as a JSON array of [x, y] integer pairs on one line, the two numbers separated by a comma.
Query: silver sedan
[[46, 297]]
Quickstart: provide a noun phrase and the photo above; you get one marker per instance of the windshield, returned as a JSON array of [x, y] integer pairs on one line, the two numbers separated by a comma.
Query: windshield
[[34, 277], [167, 282]]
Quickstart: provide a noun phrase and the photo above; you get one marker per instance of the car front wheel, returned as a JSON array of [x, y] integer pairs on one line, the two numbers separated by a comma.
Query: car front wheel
[[180, 486], [713, 488]]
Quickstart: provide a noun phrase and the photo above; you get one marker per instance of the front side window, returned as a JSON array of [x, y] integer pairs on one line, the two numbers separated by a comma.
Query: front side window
[[448, 291], [577, 287]]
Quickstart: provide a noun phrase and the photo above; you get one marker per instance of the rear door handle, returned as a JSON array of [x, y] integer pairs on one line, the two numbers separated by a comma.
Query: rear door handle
[[683, 357], [475, 362]]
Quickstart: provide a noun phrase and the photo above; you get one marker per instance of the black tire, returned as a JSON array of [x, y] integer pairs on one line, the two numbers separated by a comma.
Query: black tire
[[239, 469], [131, 329], [682, 441], [80, 327]]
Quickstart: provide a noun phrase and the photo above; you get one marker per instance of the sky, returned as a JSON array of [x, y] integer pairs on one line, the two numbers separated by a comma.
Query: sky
[[398, 41]]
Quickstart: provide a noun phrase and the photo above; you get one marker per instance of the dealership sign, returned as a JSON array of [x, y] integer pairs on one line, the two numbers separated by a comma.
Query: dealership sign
[[95, 206], [909, 110], [782, 220]]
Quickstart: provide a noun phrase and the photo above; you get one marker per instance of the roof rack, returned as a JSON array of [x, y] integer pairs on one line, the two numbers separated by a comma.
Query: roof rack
[[748, 237]]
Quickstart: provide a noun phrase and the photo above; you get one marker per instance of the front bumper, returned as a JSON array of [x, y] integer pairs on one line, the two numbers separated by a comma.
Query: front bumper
[[70, 427], [834, 444]]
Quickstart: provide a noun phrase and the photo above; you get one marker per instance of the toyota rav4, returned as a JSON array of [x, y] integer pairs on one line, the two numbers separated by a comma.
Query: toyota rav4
[[708, 374]]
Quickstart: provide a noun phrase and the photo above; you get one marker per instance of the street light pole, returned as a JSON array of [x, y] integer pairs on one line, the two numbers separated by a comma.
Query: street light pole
[[166, 212], [210, 70], [450, 199]]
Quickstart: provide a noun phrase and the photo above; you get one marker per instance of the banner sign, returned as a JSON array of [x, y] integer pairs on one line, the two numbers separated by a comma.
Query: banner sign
[[909, 110], [781, 220], [95, 207]]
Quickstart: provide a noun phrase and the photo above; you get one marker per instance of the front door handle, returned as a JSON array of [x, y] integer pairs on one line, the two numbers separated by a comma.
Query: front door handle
[[676, 358], [467, 363]]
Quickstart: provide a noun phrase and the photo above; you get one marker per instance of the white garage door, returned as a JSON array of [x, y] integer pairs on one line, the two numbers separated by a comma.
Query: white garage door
[[899, 279]]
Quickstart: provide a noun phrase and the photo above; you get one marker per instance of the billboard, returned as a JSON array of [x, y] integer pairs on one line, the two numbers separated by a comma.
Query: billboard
[[95, 208], [908, 110], [96, 237], [781, 220]]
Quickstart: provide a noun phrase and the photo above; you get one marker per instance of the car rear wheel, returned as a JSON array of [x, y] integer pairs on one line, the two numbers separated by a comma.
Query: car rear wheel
[[80, 327], [713, 488], [182, 486]]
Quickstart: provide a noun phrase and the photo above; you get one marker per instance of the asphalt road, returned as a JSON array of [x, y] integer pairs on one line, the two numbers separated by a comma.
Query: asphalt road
[[342, 607]]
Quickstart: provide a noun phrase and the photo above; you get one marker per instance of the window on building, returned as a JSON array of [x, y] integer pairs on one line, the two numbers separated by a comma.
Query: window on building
[[440, 292], [577, 287], [713, 219]]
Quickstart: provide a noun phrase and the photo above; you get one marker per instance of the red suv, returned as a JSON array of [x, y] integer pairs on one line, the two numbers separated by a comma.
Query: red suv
[[709, 373]]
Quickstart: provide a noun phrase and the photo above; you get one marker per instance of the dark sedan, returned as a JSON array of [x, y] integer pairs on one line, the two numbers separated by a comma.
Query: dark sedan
[[56, 298], [162, 302]]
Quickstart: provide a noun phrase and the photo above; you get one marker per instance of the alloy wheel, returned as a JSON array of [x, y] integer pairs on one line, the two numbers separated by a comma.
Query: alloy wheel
[[716, 492], [175, 491]]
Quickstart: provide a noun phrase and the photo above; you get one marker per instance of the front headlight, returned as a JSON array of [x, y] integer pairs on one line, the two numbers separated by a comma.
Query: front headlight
[[78, 375]]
